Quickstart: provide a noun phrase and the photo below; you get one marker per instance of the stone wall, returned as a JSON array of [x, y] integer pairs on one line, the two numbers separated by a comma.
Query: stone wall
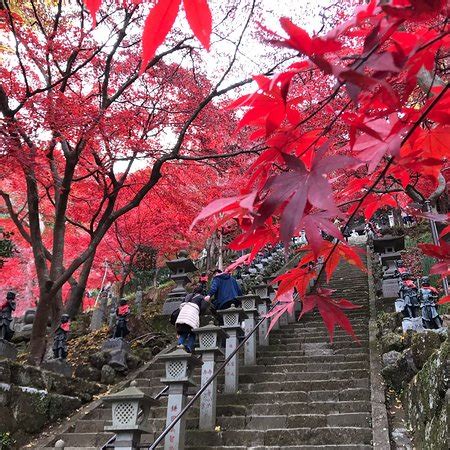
[[425, 400], [31, 398]]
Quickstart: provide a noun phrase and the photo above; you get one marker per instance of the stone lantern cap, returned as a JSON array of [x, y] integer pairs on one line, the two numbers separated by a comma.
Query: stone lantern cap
[[232, 317], [181, 265], [250, 302], [126, 407], [179, 365], [131, 393], [209, 336]]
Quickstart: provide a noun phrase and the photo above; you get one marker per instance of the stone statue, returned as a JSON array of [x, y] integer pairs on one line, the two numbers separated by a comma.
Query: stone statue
[[428, 296], [409, 294], [122, 312], [60, 338], [6, 310]]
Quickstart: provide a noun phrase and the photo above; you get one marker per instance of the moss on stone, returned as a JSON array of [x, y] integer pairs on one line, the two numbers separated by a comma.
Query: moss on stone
[[424, 401]]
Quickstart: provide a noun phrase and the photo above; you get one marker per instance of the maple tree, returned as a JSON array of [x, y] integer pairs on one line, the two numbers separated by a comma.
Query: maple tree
[[81, 109], [357, 122], [377, 136]]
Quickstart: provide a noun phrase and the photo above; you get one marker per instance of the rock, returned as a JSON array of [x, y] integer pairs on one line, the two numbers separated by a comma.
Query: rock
[[27, 376], [118, 350], [442, 333], [108, 374], [388, 322], [133, 361], [407, 337], [88, 372], [5, 371], [391, 341], [7, 422], [391, 357], [424, 401], [29, 408], [99, 359], [7, 350], [62, 406], [423, 345], [59, 366], [5, 394], [398, 373]]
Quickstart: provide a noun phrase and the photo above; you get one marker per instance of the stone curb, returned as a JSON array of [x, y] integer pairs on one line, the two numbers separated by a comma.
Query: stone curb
[[70, 421], [380, 425]]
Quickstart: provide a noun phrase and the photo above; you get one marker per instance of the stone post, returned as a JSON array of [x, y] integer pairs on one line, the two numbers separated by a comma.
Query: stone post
[[138, 300], [179, 368], [209, 338], [263, 307], [130, 409], [272, 293], [249, 306], [232, 318], [98, 315], [283, 320]]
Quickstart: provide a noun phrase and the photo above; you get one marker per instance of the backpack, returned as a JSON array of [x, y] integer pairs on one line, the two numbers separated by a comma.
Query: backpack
[[174, 316]]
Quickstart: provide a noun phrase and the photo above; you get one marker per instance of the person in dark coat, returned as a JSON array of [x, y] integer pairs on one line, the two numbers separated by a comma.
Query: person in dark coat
[[224, 288]]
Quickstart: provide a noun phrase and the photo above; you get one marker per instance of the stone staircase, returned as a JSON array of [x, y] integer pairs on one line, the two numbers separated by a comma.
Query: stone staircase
[[304, 393]]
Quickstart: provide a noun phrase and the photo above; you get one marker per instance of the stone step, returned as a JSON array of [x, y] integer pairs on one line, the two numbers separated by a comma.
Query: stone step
[[362, 356], [304, 385], [254, 398], [288, 447], [280, 437], [325, 340], [359, 406], [306, 367], [311, 349], [85, 440]]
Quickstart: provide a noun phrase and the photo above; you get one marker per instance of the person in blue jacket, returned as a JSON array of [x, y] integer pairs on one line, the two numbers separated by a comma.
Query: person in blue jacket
[[224, 288]]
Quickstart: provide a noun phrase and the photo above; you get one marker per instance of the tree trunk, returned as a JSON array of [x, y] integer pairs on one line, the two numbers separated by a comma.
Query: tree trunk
[[38, 341], [73, 305]]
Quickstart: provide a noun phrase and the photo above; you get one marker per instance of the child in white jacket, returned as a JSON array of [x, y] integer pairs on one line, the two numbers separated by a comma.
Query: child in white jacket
[[192, 307]]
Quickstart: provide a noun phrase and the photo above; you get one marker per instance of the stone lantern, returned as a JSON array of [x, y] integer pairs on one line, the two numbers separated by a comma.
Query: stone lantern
[[180, 268], [179, 371], [232, 318], [130, 412], [209, 338]]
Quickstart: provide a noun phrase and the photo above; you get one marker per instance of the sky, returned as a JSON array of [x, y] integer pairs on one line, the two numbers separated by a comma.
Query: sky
[[254, 56]]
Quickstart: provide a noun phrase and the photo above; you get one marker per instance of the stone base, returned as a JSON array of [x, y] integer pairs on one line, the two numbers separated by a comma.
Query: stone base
[[58, 366], [118, 349], [7, 350], [413, 323]]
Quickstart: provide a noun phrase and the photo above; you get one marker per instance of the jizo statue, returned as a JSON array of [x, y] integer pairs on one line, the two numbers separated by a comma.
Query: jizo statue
[[6, 309], [60, 338], [428, 296], [122, 312]]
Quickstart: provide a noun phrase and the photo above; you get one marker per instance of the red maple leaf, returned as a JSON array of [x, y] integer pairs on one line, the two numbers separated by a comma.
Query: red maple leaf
[[293, 190], [441, 253], [333, 255], [330, 310]]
